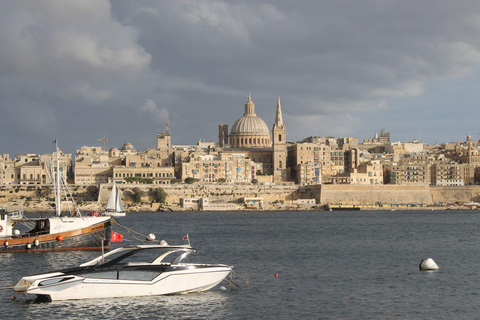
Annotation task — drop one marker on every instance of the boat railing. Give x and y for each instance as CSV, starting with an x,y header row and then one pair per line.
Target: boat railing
x,y
15,215
32,234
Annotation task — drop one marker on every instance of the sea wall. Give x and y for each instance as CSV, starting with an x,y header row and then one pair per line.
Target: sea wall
x,y
455,194
376,194
215,193
395,194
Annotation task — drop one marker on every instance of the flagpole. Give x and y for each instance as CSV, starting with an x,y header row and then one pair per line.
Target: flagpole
x,y
187,238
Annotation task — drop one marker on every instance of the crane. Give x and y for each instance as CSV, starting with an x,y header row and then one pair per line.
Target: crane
x,y
104,139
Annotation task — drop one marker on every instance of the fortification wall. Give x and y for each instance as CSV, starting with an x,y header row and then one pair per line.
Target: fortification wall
x,y
378,194
455,194
94,199
215,193
394,194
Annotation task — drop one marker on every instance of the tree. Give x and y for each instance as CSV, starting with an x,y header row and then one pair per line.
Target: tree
x,y
137,195
43,191
222,180
254,181
189,180
159,195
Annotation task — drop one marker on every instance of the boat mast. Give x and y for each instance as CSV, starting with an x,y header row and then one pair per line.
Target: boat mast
x,y
58,199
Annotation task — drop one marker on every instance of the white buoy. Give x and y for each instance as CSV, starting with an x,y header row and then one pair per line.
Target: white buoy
x,y
151,237
163,243
428,264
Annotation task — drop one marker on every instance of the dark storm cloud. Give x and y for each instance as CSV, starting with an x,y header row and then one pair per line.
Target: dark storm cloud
x,y
82,70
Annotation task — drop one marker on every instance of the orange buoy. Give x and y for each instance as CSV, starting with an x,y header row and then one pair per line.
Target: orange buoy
x,y
59,238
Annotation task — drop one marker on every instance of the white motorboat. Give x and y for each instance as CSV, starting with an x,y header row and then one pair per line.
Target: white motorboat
x,y
119,274
115,205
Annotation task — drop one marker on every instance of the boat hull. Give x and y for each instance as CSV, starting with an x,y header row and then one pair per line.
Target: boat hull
x,y
115,214
93,237
175,282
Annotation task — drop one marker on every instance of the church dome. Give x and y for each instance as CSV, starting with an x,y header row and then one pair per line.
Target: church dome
x,y
250,130
127,146
249,124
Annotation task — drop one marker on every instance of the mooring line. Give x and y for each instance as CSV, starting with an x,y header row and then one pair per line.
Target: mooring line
x,y
245,280
6,288
132,232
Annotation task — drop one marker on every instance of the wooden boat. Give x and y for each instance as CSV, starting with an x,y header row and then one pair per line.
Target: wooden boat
x,y
60,232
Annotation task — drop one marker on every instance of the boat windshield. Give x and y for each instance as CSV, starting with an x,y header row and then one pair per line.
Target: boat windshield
x,y
147,254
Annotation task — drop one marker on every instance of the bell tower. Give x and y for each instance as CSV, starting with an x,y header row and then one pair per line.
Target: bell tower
x,y
279,133
164,140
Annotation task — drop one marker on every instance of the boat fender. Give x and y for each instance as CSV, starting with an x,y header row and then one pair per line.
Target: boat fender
x,y
29,246
37,243
163,243
59,238
151,237
428,264
6,243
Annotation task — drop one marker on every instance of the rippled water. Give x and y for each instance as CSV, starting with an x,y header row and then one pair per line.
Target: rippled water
x,y
330,265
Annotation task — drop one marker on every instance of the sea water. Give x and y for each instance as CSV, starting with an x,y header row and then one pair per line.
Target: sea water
x,y
305,265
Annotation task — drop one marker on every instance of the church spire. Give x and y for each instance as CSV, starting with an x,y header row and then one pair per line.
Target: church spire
x,y
279,145
278,117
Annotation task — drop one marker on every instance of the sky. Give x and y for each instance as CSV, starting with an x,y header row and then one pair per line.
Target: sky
x,y
78,71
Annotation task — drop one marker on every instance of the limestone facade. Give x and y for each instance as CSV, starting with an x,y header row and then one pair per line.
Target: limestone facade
x,y
452,174
145,174
31,168
223,167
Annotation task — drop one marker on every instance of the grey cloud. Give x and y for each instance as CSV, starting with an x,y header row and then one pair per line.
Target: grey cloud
x,y
120,69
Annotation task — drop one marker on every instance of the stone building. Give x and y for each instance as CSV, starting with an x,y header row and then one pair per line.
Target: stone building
x,y
367,173
32,168
407,174
304,161
145,174
452,174
7,169
94,166
222,167
399,148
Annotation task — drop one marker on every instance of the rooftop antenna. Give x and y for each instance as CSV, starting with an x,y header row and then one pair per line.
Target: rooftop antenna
x,y
167,130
